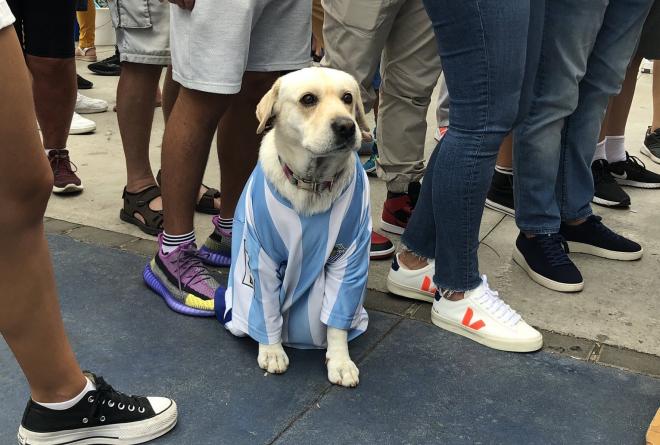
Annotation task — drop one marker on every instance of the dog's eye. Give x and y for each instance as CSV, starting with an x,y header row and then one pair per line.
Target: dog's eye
x,y
347,98
309,100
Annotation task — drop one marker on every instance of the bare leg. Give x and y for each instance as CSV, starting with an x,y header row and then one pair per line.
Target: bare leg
x,y
656,95
29,312
505,155
619,106
186,146
136,93
55,86
170,93
238,128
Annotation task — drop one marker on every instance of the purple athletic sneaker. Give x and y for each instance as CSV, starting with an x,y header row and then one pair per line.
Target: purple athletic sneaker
x,y
217,248
182,280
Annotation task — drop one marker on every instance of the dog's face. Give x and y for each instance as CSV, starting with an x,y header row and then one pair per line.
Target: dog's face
x,y
319,108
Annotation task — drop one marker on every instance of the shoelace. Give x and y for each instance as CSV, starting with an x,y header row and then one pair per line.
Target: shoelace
x,y
107,396
491,302
595,223
189,259
634,163
62,157
554,248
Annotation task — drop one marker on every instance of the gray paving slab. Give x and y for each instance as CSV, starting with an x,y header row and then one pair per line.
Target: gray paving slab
x,y
422,385
124,332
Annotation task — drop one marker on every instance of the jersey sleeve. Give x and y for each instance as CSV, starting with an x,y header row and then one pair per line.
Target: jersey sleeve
x,y
346,278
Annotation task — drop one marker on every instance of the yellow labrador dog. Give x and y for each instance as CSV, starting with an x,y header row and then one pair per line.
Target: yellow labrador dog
x,y
302,229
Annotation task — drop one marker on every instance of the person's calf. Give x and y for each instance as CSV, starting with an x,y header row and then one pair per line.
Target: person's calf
x,y
54,88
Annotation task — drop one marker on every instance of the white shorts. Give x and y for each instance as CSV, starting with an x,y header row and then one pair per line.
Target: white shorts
x,y
6,17
143,30
218,41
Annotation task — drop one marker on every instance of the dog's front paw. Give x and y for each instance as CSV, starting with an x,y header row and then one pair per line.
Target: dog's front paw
x,y
272,358
343,372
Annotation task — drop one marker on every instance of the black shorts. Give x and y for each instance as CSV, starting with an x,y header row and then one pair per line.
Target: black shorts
x,y
45,28
649,43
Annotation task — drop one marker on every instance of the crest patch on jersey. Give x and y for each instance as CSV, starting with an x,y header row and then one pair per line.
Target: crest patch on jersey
x,y
336,253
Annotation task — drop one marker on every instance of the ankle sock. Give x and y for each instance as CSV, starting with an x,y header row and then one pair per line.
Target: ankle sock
x,y
504,170
61,406
225,224
171,242
615,148
600,152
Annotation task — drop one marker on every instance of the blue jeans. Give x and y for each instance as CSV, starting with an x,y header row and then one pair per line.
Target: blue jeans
x,y
489,51
587,45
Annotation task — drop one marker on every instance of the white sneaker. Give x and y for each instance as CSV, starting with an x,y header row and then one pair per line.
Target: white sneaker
x,y
415,284
80,125
481,316
87,105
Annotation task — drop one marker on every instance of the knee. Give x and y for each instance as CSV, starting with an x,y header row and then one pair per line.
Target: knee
x,y
27,198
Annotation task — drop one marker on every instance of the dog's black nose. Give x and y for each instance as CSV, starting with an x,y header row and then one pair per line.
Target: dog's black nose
x,y
343,127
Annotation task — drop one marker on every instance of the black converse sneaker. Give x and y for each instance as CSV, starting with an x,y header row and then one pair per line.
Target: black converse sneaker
x,y
103,416
632,172
606,190
595,238
651,146
500,194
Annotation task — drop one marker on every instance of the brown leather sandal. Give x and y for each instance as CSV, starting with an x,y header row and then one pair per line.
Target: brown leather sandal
x,y
206,203
139,203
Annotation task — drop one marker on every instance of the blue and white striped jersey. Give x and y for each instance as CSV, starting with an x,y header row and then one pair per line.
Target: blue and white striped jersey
x,y
292,275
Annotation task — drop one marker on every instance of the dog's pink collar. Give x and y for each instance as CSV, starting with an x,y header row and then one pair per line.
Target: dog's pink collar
x,y
308,184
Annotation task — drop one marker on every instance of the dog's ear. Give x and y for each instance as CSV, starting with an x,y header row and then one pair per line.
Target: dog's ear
x,y
359,112
266,105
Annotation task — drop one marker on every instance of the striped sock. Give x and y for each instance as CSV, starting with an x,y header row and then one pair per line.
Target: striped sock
x,y
171,242
225,224
504,170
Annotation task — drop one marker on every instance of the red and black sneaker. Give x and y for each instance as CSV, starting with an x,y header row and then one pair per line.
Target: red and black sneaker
x,y
381,247
398,208
64,172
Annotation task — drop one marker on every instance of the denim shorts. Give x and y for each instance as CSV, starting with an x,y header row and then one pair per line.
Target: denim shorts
x,y
143,30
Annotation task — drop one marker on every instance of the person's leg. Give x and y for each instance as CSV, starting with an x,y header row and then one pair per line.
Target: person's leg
x,y
281,24
87,23
500,194
136,93
442,111
30,314
354,40
50,59
655,124
410,68
170,93
238,128
483,112
537,140
317,27
606,69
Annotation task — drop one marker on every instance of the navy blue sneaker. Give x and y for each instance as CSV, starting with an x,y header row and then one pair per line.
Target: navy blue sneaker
x,y
594,238
544,259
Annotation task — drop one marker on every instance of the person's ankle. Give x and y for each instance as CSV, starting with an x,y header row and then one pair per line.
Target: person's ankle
x,y
139,184
63,392
412,261
453,296
575,222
